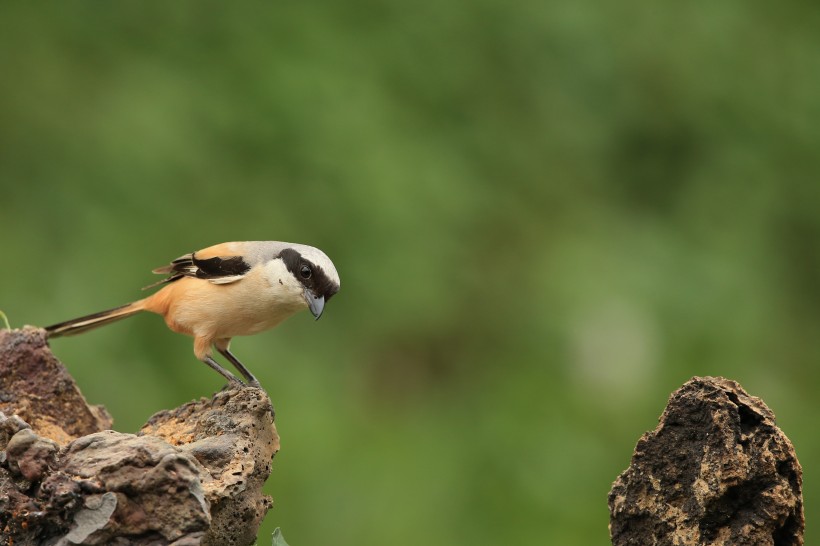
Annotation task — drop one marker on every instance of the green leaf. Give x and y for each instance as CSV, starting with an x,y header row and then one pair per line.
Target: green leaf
x,y
278,539
5,320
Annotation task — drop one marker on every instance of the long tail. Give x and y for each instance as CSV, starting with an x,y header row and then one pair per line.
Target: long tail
x,y
89,322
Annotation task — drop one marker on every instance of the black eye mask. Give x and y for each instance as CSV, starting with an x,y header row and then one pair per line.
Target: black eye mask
x,y
317,280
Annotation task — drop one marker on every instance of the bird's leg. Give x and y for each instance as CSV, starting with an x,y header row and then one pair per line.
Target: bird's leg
x,y
202,350
222,346
220,370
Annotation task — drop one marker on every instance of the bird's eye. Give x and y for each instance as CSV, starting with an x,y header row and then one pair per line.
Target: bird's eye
x,y
305,272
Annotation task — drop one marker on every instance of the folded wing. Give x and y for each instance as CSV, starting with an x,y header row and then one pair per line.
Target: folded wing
x,y
217,270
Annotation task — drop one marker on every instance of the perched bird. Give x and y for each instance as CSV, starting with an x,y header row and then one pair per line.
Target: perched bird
x,y
228,290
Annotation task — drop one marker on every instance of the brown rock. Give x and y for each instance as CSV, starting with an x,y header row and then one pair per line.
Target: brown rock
x,y
191,476
30,455
715,471
232,436
36,387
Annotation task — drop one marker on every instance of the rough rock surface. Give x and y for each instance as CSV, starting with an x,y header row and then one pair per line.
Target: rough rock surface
x,y
232,437
716,471
191,476
36,387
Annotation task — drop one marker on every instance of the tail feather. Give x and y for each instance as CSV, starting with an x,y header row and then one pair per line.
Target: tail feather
x,y
89,322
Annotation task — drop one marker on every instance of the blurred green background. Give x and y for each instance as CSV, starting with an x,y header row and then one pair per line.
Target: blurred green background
x,y
546,217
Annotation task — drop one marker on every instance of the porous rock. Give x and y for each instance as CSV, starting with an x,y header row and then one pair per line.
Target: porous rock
x,y
191,476
232,437
716,471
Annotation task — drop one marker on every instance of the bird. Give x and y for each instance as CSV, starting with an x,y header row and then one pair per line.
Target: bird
x,y
228,290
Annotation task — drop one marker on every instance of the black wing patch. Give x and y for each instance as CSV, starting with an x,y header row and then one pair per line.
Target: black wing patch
x,y
217,270
214,268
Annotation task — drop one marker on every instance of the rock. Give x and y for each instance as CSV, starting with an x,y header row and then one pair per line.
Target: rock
x,y
191,476
30,455
157,489
232,437
93,517
715,471
35,386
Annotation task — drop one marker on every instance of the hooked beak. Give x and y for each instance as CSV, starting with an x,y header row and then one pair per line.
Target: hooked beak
x,y
316,304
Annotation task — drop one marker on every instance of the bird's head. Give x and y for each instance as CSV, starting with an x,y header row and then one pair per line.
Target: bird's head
x,y
314,274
